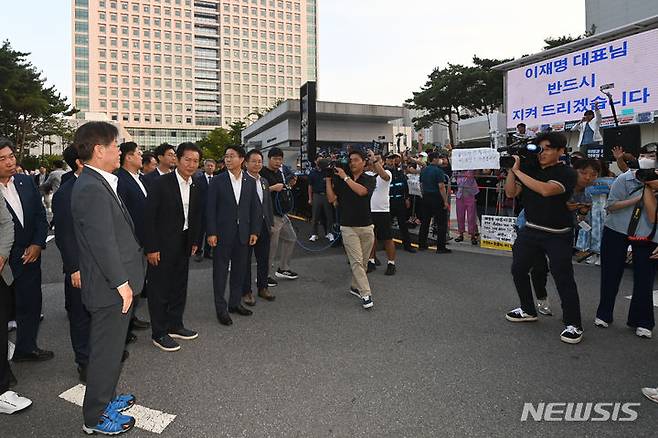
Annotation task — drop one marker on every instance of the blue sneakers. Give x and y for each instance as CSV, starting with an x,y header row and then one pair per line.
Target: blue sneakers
x,y
121,403
111,423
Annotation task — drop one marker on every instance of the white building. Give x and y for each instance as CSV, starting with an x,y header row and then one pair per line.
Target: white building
x,y
606,15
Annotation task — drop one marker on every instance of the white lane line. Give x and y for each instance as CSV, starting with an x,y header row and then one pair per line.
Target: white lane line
x,y
655,298
145,418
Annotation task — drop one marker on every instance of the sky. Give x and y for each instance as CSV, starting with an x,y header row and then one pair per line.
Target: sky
x,y
370,51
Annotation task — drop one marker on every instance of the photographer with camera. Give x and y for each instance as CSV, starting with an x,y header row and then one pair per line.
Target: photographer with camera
x,y
631,220
352,190
545,185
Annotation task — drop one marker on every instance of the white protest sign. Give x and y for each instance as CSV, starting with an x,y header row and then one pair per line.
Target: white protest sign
x,y
413,181
498,232
473,159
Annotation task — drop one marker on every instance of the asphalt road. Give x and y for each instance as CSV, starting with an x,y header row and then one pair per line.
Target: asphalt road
x,y
435,357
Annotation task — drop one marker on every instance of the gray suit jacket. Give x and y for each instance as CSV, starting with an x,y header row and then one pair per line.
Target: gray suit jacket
x,y
6,239
109,250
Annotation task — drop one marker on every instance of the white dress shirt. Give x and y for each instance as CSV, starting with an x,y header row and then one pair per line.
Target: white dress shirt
x,y
185,196
208,177
160,172
237,185
111,179
11,195
259,186
138,181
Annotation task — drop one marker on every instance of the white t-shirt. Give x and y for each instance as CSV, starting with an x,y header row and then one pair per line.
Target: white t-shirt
x,y
380,201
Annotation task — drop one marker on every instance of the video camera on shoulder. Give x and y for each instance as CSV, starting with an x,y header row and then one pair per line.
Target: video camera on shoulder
x,y
646,175
524,149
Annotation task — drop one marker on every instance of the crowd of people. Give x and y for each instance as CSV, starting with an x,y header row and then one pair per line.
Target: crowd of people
x,y
127,222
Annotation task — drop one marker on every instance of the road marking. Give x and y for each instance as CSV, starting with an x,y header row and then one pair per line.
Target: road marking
x,y
145,418
655,298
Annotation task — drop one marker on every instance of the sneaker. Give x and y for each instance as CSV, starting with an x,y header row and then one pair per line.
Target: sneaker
x,y
643,333
330,237
518,315
651,394
272,282
313,238
183,333
371,267
367,302
11,402
390,269
544,308
600,323
110,423
571,335
121,402
287,274
354,291
166,343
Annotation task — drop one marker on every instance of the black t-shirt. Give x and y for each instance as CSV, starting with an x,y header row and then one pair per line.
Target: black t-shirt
x,y
354,210
275,177
550,212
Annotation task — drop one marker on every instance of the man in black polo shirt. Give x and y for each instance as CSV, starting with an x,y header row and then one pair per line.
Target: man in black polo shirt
x,y
545,189
353,191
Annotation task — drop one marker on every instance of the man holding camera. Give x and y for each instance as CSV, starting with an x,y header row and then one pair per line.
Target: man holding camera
x,y
545,188
353,192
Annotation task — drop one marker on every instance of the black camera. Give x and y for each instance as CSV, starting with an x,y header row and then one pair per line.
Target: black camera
x,y
328,166
528,152
646,175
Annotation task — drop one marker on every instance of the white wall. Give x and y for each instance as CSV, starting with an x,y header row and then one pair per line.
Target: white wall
x,y
610,14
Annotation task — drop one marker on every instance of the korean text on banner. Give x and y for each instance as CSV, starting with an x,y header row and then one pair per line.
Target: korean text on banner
x,y
498,232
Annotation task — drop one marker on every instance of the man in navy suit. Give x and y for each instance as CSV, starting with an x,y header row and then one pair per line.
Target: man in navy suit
x,y
234,220
65,239
166,156
202,180
132,191
30,229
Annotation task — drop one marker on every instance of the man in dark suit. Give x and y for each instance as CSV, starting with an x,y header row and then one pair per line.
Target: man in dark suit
x,y
132,190
202,180
30,230
68,248
166,156
234,220
112,268
262,248
173,231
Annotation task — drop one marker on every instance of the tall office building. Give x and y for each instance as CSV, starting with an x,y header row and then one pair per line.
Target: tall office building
x,y
172,70
605,15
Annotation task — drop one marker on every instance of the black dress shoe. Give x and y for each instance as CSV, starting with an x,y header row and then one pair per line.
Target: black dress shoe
x,y
37,355
139,324
410,249
130,338
224,319
82,373
240,310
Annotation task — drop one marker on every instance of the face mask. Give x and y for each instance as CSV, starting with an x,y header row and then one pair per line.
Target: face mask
x,y
647,163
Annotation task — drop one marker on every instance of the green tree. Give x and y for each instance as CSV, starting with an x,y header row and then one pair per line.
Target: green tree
x,y
28,109
484,86
553,42
214,144
235,131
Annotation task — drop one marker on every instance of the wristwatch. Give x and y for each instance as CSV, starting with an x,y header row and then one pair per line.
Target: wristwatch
x,y
346,178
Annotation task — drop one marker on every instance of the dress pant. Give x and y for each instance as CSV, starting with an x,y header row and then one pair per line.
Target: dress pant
x,y
530,244
79,320
433,208
320,206
399,211
282,240
358,242
27,287
235,253
262,251
168,286
5,300
107,338
614,248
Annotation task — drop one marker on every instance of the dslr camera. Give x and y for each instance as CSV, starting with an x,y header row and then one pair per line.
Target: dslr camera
x,y
524,149
646,175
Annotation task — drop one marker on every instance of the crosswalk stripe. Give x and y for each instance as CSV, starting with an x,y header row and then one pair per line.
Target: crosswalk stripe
x,y
148,419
